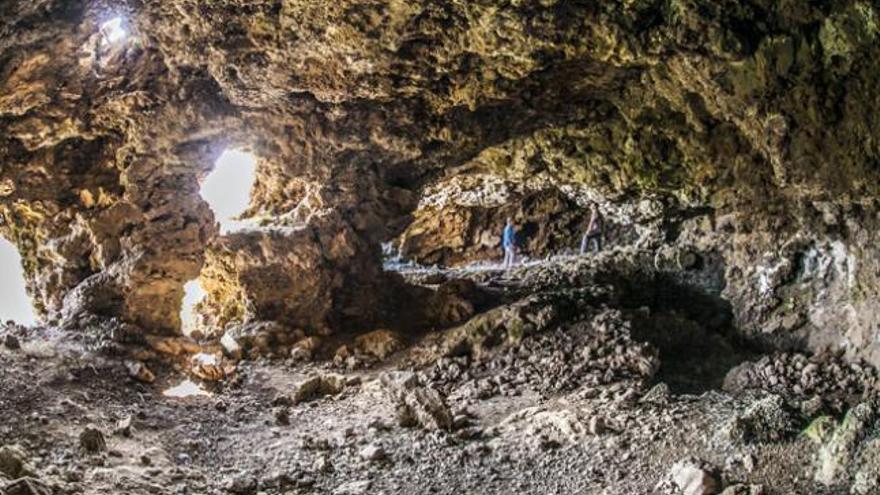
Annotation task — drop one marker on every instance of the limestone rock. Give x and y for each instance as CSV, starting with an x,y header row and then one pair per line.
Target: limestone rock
x,y
372,453
318,386
416,403
693,479
837,455
378,344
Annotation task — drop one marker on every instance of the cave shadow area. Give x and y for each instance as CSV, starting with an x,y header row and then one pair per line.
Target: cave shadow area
x,y
692,327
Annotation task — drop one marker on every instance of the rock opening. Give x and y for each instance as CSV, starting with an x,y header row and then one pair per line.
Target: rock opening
x,y
15,304
227,189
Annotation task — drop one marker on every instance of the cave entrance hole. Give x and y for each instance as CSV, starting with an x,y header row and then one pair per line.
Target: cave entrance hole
x,y
114,31
15,304
193,294
227,190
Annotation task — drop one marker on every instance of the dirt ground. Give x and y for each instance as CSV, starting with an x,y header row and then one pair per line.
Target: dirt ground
x,y
549,423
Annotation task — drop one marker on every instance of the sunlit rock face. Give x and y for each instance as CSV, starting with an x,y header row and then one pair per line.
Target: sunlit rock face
x,y
758,118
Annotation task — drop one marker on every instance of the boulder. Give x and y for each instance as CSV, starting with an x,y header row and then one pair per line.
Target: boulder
x,y
836,456
378,344
417,404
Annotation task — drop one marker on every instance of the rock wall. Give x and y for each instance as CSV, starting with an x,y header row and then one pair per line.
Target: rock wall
x,y
755,118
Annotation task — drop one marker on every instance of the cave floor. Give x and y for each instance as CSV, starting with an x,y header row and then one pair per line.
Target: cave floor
x,y
232,441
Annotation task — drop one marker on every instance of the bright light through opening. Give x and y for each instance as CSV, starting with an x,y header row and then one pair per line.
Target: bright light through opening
x,y
14,301
228,188
193,294
113,30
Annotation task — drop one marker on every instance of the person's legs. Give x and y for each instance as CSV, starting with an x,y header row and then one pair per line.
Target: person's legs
x,y
596,243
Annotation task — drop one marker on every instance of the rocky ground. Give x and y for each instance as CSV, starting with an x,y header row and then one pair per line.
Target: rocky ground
x,y
561,388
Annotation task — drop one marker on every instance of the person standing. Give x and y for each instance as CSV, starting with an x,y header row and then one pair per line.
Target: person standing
x,y
593,236
508,242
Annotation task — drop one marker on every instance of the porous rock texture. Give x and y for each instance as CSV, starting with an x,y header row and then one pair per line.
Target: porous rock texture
x,y
744,129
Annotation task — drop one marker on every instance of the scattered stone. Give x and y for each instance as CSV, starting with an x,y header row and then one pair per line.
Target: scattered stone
x,y
14,463
323,464
139,371
415,403
241,484
767,420
597,425
578,357
11,342
378,344
692,479
353,488
814,384
318,386
231,346
867,479
27,486
658,394
341,355
282,416
372,453
92,441
545,427
123,427
745,490
305,349
173,346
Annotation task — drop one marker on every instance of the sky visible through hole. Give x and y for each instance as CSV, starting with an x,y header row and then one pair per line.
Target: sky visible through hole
x,y
14,301
227,190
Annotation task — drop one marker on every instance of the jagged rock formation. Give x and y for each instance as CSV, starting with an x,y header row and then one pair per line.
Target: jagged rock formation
x,y
752,123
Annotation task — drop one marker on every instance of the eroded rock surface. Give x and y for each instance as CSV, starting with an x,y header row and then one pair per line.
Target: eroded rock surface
x,y
754,119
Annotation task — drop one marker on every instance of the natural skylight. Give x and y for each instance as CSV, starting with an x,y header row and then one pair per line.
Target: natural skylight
x,y
14,301
228,188
113,30
193,294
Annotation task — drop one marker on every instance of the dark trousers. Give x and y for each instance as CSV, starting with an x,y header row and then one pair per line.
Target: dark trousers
x,y
594,240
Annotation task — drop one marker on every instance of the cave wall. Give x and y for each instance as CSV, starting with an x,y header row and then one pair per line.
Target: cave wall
x,y
760,114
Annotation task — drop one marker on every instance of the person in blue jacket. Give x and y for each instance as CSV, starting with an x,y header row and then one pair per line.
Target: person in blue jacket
x,y
508,242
